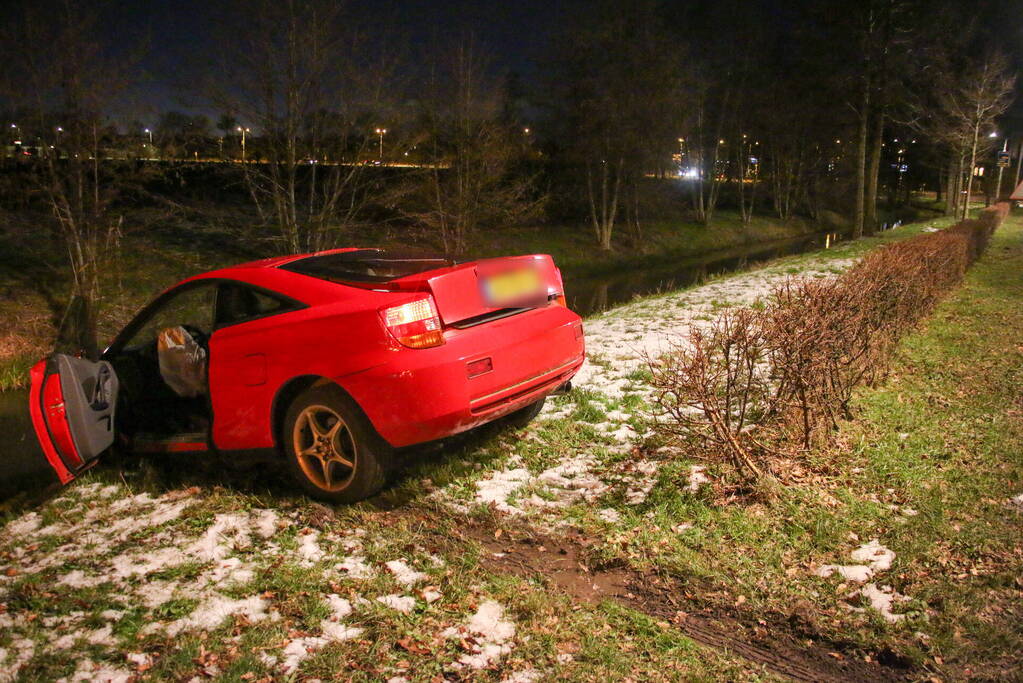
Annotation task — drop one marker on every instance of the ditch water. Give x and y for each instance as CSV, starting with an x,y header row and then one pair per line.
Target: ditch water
x,y
596,293
23,468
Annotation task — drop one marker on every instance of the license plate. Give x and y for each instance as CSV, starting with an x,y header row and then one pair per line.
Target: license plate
x,y
518,287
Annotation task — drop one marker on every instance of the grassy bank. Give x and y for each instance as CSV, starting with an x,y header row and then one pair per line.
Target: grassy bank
x,y
172,569
922,482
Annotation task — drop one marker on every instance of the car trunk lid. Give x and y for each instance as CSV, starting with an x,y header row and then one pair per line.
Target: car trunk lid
x,y
473,291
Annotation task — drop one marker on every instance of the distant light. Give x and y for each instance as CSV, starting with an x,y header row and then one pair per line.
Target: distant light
x,y
993,134
526,131
721,142
838,142
59,129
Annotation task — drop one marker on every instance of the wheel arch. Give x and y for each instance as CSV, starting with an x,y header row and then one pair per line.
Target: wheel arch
x,y
291,390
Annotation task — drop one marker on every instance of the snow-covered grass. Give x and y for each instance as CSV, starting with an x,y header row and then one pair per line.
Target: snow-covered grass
x,y
645,505
106,584
105,581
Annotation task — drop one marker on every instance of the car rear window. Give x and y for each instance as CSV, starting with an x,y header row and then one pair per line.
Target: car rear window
x,y
366,265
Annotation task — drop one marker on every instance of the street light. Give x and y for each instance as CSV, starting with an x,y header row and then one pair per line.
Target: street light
x,y
243,131
381,132
147,132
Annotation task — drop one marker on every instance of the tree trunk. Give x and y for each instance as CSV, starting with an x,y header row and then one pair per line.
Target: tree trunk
x,y
861,160
872,174
973,165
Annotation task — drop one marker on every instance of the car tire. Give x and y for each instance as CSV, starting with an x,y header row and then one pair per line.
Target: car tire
x,y
523,416
331,449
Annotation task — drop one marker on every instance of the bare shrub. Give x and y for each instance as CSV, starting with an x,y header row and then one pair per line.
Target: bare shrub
x,y
758,382
714,393
819,348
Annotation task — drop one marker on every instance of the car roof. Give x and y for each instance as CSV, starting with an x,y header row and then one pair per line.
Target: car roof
x,y
266,273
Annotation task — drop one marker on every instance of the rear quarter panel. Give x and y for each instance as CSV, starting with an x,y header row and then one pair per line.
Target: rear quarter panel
x,y
251,361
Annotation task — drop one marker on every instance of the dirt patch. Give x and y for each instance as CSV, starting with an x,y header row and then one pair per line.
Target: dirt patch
x,y
779,647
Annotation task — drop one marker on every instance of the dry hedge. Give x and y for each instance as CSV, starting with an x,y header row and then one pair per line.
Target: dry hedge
x,y
760,382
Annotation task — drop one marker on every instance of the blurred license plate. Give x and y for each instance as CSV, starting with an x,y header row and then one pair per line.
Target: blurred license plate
x,y
518,287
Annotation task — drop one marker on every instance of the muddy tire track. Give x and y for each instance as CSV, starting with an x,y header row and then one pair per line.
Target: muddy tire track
x,y
780,647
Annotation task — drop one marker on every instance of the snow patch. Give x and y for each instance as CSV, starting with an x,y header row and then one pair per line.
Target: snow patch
x,y
404,574
493,633
88,670
213,611
309,548
882,599
697,477
496,489
356,567
401,603
877,558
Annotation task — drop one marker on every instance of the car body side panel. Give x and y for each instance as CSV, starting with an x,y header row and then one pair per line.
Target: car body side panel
x,y
251,361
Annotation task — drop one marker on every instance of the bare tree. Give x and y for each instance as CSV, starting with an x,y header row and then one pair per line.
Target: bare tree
x,y
616,76
984,94
309,89
472,180
62,89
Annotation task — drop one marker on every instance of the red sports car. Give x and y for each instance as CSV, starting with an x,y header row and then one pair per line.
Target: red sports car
x,y
332,360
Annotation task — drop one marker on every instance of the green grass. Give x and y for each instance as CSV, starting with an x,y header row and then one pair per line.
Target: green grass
x,y
943,437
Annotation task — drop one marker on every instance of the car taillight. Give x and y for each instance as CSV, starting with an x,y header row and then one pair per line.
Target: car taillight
x,y
415,324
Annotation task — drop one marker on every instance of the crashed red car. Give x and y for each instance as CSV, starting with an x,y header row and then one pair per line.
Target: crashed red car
x,y
330,360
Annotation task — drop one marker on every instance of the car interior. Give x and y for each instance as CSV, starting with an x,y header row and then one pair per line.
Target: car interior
x,y
162,368
162,365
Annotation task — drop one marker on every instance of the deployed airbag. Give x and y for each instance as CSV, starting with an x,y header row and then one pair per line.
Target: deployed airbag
x,y
182,362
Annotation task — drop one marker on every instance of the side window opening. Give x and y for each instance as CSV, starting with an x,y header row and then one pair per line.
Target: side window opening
x,y
191,308
237,303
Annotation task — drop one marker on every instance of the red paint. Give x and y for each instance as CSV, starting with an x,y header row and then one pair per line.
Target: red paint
x,y
46,406
410,395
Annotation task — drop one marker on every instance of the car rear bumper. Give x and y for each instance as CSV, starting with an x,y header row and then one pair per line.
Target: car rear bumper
x,y
426,394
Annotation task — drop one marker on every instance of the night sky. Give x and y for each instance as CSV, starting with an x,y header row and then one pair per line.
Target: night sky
x,y
517,33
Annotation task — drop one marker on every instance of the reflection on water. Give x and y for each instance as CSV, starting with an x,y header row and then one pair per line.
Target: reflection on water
x,y
592,294
22,466
24,469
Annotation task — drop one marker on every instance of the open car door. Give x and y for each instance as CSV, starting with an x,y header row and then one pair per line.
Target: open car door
x,y
72,402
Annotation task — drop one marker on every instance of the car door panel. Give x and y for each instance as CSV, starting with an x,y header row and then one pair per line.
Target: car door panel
x,y
72,403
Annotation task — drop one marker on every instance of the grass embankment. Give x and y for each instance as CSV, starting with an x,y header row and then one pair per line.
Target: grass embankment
x,y
927,470
233,576
662,242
